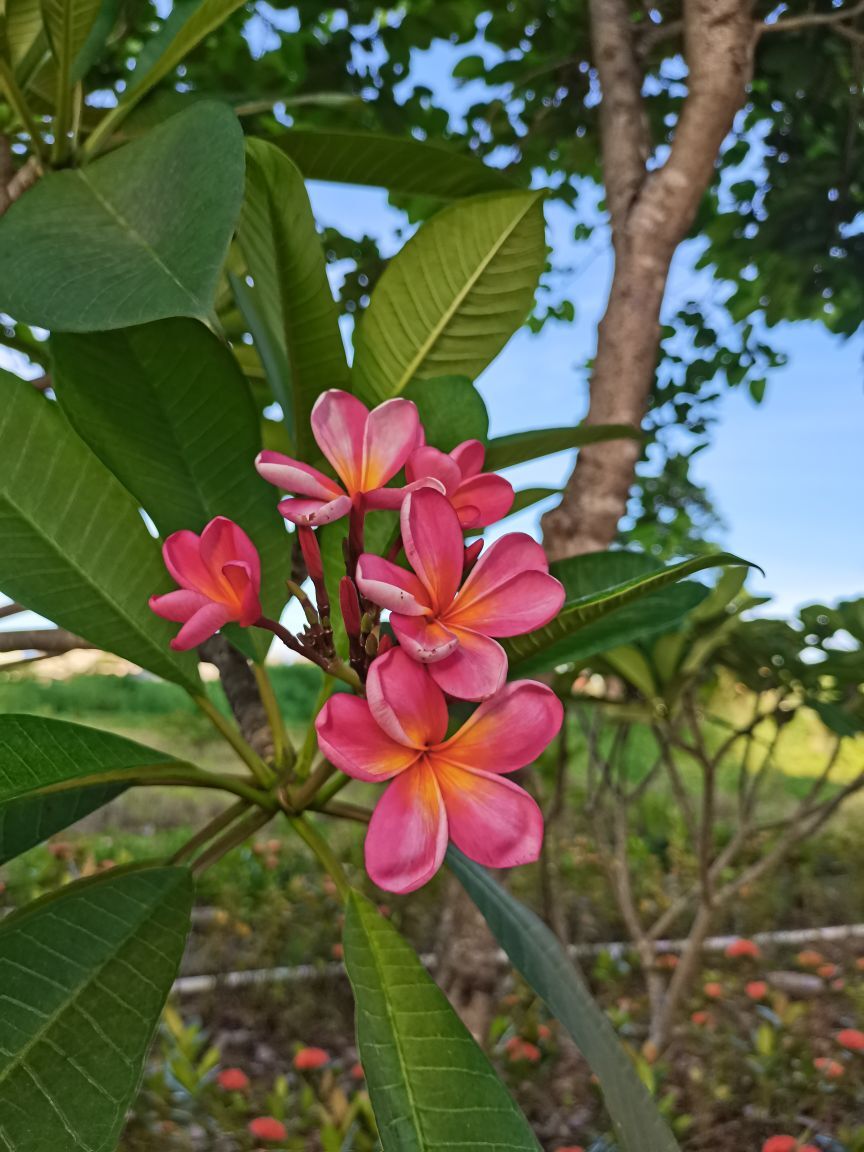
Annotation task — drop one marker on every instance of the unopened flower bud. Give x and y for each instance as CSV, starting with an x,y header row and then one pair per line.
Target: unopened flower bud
x,y
350,606
472,552
367,623
311,554
385,644
371,645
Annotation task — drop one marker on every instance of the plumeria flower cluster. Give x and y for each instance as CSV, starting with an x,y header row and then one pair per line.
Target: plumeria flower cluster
x,y
449,603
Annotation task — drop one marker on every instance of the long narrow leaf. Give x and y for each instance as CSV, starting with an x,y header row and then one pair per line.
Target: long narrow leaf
x,y
83,979
73,546
393,162
167,409
432,1088
40,759
451,299
285,259
581,609
518,447
539,957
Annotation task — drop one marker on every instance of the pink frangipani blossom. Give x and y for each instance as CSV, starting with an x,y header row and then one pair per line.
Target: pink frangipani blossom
x,y
219,573
366,450
479,498
508,591
440,789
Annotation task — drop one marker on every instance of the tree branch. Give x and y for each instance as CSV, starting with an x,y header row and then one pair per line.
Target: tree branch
x,y
810,20
241,691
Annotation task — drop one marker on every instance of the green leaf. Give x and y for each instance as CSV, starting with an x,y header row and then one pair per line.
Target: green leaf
x,y
167,409
451,410
432,1088
394,162
271,354
69,24
518,447
597,585
539,957
187,25
530,496
73,546
451,299
284,256
22,30
49,776
137,236
84,977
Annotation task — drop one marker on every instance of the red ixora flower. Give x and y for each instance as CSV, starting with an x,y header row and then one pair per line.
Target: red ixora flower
x,y
830,1069
440,789
219,573
233,1080
572,1148
508,591
780,1144
518,1049
308,1059
366,450
478,498
269,1129
756,989
809,958
713,990
702,1019
852,1039
743,947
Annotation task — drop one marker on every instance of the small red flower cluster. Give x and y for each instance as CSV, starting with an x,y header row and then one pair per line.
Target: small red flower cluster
x,y
519,1050
447,611
786,1144
310,1059
740,947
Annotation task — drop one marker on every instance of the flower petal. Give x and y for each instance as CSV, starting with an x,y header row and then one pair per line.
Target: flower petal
x,y
469,455
391,435
423,638
428,462
433,543
240,578
481,500
502,595
393,498
404,700
178,606
309,512
205,623
527,601
296,477
182,554
339,426
508,731
475,670
407,835
391,587
223,542
490,819
350,738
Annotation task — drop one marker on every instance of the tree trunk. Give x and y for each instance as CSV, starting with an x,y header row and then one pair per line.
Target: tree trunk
x,y
651,214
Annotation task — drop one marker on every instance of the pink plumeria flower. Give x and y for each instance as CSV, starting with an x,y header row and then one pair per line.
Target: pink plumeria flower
x,y
366,450
440,789
219,573
508,591
479,498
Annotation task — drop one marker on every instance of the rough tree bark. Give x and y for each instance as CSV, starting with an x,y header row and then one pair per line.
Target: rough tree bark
x,y
651,213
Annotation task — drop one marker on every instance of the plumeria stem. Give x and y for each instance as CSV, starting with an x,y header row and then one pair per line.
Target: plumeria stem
x,y
323,851
180,774
21,108
207,833
308,791
343,811
333,667
283,750
310,744
248,755
233,838
332,789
